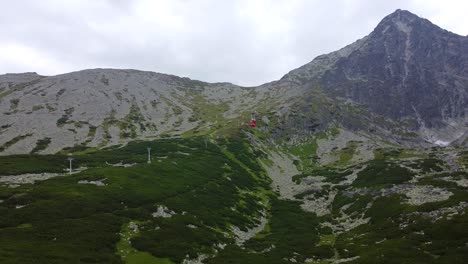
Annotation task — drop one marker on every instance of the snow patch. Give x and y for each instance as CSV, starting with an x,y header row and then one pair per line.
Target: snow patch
x,y
441,143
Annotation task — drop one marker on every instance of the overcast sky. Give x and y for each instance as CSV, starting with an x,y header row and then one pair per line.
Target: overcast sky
x,y
246,42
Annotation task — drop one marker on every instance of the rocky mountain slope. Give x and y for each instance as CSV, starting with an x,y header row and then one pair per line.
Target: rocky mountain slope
x,y
234,200
105,106
407,69
338,169
406,82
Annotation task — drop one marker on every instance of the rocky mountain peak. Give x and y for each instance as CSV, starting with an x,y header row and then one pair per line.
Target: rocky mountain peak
x,y
400,16
407,69
404,22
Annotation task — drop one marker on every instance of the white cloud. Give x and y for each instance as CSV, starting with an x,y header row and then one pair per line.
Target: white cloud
x,y
19,57
247,42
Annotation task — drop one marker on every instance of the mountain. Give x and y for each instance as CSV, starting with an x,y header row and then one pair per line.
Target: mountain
x,y
406,69
344,165
105,107
405,82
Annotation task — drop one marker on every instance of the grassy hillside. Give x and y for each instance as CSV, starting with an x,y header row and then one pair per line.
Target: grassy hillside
x,y
65,220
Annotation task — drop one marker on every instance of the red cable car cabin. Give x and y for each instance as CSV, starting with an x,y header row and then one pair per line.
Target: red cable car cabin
x,y
253,123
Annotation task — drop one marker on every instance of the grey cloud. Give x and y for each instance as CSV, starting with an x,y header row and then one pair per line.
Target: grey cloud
x,y
244,42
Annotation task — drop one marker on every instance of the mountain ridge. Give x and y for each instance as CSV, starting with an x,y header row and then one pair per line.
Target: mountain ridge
x,y
142,167
406,68
407,71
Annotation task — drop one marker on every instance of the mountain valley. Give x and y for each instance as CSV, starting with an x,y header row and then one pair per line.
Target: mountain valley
x,y
359,156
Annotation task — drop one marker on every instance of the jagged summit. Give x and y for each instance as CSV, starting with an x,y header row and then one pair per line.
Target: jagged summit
x,y
405,21
398,21
400,16
406,69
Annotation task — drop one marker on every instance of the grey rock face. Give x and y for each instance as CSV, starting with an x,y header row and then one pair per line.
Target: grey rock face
x,y
91,107
103,107
406,69
408,74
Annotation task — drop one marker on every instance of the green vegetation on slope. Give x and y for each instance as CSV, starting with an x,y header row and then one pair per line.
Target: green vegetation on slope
x,y
64,221
380,173
208,187
292,234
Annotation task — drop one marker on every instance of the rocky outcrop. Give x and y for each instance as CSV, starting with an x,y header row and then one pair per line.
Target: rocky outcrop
x,y
407,69
102,107
406,82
